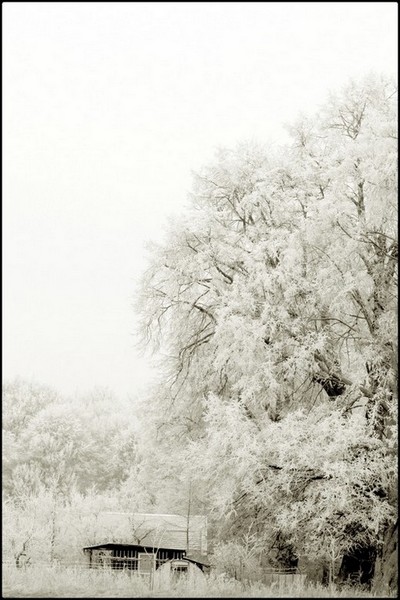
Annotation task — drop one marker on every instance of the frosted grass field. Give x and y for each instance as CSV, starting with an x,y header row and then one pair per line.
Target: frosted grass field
x,y
74,582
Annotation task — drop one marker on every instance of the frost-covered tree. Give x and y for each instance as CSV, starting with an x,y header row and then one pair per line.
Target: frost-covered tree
x,y
88,440
273,308
65,461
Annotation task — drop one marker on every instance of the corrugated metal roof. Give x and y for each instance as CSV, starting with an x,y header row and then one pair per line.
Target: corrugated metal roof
x,y
196,557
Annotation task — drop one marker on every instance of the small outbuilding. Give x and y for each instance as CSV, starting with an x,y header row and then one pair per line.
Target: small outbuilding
x,y
143,542
172,570
135,557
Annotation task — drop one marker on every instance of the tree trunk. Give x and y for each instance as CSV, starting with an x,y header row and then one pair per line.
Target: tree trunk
x,y
188,519
385,579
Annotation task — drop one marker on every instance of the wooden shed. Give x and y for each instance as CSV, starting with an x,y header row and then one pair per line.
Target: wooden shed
x,y
135,557
143,542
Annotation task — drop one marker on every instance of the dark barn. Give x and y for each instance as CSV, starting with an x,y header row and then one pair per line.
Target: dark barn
x,y
130,556
143,542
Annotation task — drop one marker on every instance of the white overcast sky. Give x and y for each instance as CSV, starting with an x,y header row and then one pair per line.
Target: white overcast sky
x,y
107,108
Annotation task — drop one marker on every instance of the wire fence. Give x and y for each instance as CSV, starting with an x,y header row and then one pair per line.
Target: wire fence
x,y
283,579
71,564
268,576
44,578
117,560
109,563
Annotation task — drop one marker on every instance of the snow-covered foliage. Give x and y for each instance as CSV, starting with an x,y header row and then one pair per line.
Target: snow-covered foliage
x,y
273,308
81,442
